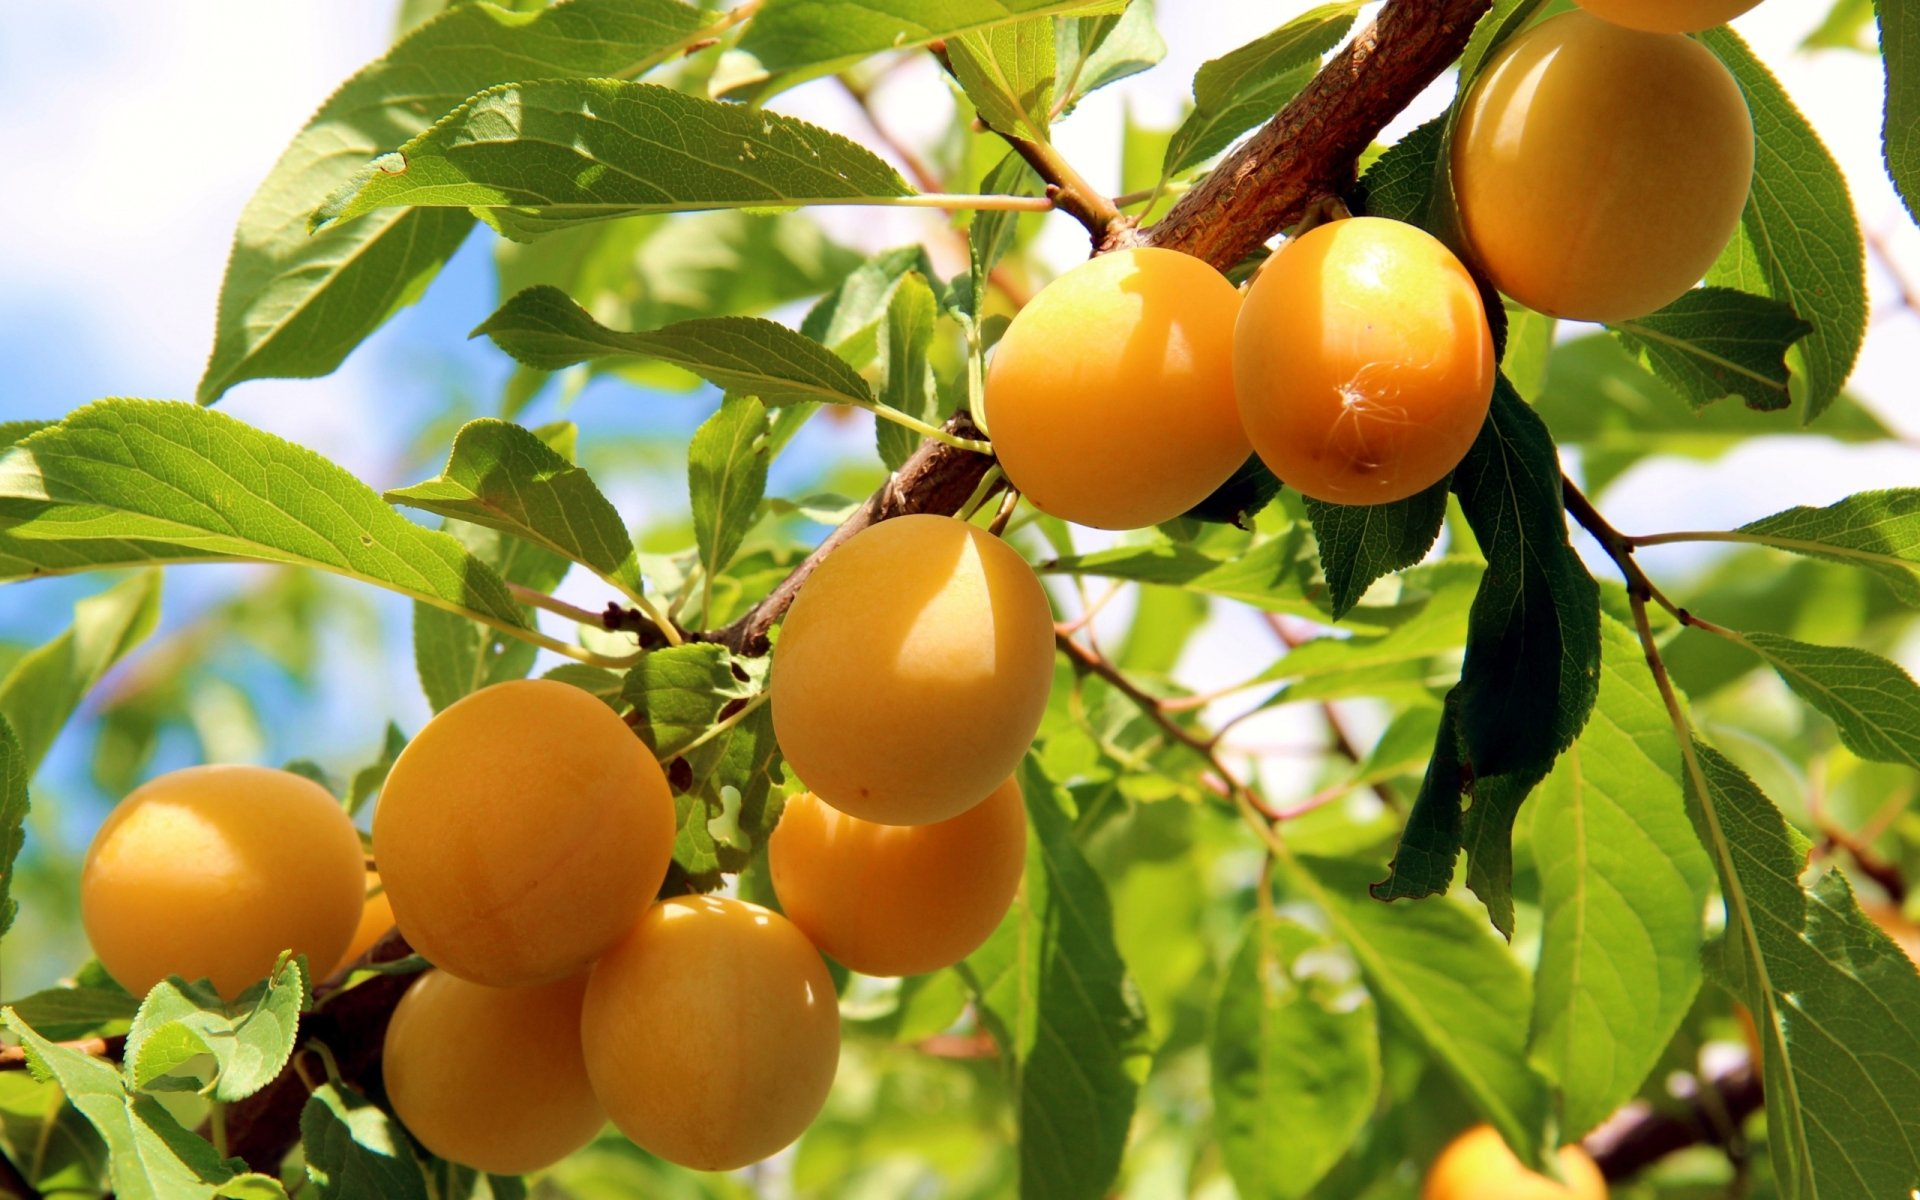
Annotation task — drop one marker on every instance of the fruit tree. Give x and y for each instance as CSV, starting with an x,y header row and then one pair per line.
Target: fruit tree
x,y
972,638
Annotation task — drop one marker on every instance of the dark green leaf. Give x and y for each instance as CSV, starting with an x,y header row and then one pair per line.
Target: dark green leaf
x,y
1873,702
1096,51
47,685
504,477
294,305
907,372
750,355
990,235
14,773
1876,530
1399,185
1800,240
1008,71
1239,90
1239,500
150,1156
1449,982
571,150
1361,543
355,1151
1715,342
1623,884
249,1039
1056,993
1836,1001
732,805
791,41
726,478
1900,47
210,485
1295,1057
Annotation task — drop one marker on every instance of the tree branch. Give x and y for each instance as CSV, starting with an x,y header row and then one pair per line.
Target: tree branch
x,y
1713,1116
14,1058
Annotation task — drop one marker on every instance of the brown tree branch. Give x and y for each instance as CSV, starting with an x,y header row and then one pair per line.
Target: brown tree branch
x,y
14,1058
1713,1116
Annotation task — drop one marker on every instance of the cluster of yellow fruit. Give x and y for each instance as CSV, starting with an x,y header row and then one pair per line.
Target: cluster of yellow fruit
x,y
1598,169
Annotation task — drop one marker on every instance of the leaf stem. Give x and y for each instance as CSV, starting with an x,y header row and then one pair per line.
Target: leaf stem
x,y
924,429
542,600
991,481
961,201
217,1126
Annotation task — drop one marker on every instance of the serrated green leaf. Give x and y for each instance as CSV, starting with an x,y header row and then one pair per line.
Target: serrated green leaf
x,y
219,489
506,478
1532,664
1361,543
1872,702
1836,1001
566,151
1399,184
732,804
1623,884
1876,530
750,355
1295,1054
1450,982
1241,89
44,688
847,320
1715,342
1800,238
1053,988
1008,72
1273,576
726,479
677,692
294,305
907,372
1900,48
79,1011
355,1151
150,1156
791,41
249,1039
1096,51
991,231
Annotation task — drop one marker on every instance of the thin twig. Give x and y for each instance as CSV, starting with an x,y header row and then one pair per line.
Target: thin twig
x,y
541,600
14,1058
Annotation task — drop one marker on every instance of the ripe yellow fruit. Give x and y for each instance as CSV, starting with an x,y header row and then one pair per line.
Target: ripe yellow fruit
x,y
1599,171
492,1078
892,900
912,670
1667,16
1478,1166
521,832
1363,361
376,917
212,871
1110,397
712,1032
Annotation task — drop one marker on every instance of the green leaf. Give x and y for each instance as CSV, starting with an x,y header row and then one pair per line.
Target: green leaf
x,y
1715,342
79,1011
1272,576
570,150
219,489
250,1039
294,305
150,1155
1450,982
368,780
731,806
1436,601
1296,1060
908,385
1872,702
726,479
1900,47
14,773
1533,658
1623,884
1399,184
677,692
1096,51
1361,543
1241,498
1241,89
47,685
1008,72
1844,28
1836,1002
1800,239
847,320
1598,398
1876,530
504,477
750,355
1054,990
791,41
355,1151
